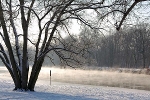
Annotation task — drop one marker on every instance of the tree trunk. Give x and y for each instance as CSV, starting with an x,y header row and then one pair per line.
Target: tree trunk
x,y
25,66
34,74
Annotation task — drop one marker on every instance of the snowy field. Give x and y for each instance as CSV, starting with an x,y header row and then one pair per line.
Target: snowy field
x,y
66,91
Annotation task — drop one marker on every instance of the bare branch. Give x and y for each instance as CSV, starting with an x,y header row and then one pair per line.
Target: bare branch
x,y
2,37
27,39
127,13
51,59
15,34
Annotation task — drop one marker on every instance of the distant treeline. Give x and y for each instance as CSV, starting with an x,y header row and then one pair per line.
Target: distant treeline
x,y
129,47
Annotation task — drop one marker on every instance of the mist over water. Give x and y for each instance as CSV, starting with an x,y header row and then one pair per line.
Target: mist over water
x,y
97,77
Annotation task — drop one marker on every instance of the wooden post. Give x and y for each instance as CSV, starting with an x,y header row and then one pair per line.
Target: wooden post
x,y
50,77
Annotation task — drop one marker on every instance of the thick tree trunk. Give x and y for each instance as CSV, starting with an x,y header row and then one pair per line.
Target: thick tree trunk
x,y
25,66
24,78
34,74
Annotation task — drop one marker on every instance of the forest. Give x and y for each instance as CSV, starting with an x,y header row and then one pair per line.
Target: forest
x,y
128,48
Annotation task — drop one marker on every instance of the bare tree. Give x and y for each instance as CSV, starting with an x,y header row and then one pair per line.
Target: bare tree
x,y
47,17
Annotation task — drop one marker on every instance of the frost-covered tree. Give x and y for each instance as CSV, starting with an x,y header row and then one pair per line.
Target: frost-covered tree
x,y
40,23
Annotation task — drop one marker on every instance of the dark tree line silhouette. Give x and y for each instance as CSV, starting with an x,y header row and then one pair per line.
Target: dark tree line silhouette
x,y
129,48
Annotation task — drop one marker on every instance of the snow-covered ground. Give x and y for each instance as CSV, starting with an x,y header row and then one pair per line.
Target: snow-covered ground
x,y
65,91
